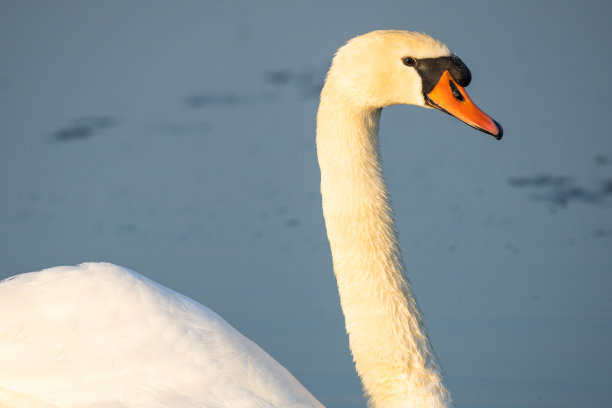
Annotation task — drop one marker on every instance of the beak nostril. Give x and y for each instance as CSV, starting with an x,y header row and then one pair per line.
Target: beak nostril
x,y
456,92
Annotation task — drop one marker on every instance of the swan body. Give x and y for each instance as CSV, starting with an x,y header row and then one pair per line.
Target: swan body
x,y
98,335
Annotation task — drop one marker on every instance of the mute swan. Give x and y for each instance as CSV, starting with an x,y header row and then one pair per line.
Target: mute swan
x,y
99,335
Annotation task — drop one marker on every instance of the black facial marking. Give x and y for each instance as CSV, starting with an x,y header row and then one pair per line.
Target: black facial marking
x,y
431,69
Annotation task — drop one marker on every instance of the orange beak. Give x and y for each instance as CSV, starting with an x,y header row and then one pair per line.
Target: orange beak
x,y
452,99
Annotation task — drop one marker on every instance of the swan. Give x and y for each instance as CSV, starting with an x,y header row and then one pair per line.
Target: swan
x,y
99,335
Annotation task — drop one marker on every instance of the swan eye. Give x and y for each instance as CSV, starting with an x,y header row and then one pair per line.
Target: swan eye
x,y
409,61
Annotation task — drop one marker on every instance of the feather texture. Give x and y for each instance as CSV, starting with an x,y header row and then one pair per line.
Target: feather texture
x,y
98,334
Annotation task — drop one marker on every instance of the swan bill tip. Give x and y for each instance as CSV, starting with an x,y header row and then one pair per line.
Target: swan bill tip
x,y
500,131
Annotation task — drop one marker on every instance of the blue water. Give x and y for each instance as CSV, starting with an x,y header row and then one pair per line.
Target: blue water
x,y
178,140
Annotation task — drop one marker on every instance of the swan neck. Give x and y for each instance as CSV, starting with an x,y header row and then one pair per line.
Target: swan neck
x,y
392,353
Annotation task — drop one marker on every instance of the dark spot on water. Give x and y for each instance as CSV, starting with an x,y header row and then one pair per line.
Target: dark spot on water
x,y
75,132
606,187
230,99
541,180
293,222
511,247
206,99
307,81
602,160
602,233
310,82
560,191
83,128
278,77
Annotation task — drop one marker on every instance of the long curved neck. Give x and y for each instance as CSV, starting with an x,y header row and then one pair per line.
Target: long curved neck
x,y
390,347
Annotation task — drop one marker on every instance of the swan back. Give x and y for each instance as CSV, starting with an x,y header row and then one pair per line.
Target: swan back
x,y
98,334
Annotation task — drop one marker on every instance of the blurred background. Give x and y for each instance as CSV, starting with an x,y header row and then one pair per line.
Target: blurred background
x,y
177,139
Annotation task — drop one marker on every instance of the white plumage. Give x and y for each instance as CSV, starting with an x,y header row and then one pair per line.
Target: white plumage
x,y
99,335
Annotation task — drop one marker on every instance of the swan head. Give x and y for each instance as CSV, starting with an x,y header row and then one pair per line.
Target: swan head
x,y
391,67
